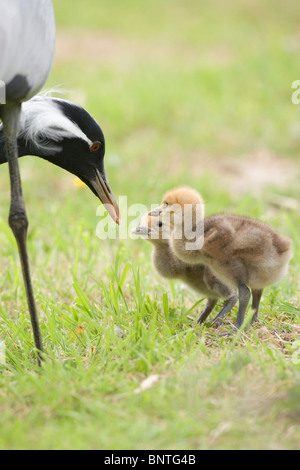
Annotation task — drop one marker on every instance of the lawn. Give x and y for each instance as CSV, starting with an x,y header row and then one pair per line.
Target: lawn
x,y
186,92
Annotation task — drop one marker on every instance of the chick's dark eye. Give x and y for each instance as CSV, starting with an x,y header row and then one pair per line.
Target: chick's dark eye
x,y
159,224
95,146
166,204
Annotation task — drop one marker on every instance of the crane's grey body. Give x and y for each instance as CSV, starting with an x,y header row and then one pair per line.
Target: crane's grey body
x,y
27,38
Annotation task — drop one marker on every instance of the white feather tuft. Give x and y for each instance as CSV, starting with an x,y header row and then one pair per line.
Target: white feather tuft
x,y
44,124
50,92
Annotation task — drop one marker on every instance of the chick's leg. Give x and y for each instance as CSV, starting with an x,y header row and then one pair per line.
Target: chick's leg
x,y
244,297
210,305
256,296
229,304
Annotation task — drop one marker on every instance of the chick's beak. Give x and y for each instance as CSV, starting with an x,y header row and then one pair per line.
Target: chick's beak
x,y
102,189
155,212
141,230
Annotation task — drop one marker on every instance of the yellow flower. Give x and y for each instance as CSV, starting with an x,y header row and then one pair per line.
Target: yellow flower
x,y
78,183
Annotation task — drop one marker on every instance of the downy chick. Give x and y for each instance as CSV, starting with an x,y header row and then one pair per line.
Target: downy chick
x,y
243,253
196,276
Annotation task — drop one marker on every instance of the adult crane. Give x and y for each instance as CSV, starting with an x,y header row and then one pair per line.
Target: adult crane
x,y
27,38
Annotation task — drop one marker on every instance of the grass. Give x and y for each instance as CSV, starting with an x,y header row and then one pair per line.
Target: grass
x,y
179,91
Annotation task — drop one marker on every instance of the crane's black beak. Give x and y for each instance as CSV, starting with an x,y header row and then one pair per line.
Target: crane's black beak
x,y
100,187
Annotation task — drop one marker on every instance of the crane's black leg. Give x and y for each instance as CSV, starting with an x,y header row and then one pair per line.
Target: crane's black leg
x,y
17,215
229,304
244,297
210,305
256,296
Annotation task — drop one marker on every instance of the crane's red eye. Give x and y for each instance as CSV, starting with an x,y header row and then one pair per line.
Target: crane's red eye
x,y
95,146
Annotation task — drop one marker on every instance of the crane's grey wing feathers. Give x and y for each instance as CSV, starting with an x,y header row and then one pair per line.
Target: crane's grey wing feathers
x,y
27,38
